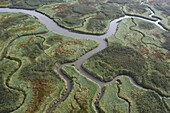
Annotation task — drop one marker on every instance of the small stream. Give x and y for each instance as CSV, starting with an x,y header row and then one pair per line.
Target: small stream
x,y
101,40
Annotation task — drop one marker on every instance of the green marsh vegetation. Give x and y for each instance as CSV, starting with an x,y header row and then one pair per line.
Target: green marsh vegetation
x,y
132,7
66,49
122,1
90,16
39,56
166,44
10,99
162,10
94,16
32,4
114,60
137,9
15,25
34,55
138,53
4,2
146,25
125,96
111,102
74,16
30,76
167,103
139,50
141,100
82,96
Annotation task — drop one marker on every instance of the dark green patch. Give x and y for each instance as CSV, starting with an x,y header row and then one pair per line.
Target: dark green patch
x,y
149,102
9,97
146,25
123,60
32,4
137,8
83,9
166,44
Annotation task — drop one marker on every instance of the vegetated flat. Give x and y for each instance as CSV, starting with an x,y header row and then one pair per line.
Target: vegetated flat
x,y
4,2
111,102
141,100
15,25
162,10
137,50
31,4
10,99
92,16
82,96
84,16
124,97
30,56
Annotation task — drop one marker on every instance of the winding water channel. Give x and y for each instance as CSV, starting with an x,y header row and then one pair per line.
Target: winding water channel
x,y
54,27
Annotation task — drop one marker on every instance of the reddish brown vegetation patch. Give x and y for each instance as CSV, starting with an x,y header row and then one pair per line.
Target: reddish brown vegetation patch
x,y
159,54
81,98
60,7
25,44
64,48
28,28
41,89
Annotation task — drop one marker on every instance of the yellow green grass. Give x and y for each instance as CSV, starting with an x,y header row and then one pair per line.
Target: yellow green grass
x,y
83,16
82,96
137,50
141,100
111,103
35,53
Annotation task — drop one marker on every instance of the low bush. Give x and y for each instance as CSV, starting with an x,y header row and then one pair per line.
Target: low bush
x,y
73,21
140,99
166,44
96,25
82,96
9,97
65,13
146,25
149,102
83,9
111,11
137,8
165,9
32,4
119,58
122,1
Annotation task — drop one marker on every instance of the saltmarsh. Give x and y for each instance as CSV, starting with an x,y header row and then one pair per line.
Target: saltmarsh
x,y
84,16
13,26
10,98
138,53
111,102
82,96
34,55
140,100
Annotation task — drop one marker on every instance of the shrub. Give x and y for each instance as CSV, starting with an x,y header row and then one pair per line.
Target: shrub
x,y
137,8
146,25
111,11
33,4
166,44
83,9
72,21
96,25
9,98
119,58
149,102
